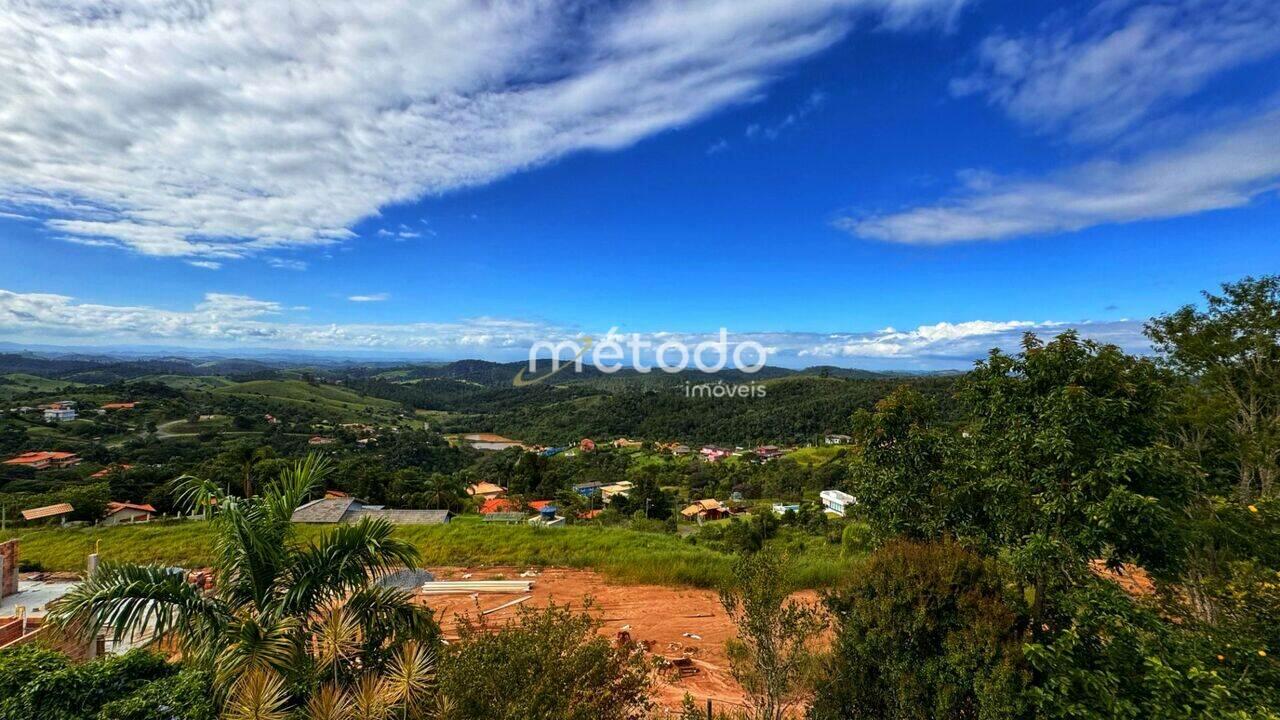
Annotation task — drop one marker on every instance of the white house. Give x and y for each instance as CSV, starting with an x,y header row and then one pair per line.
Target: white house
x,y
837,502
123,513
781,509
60,412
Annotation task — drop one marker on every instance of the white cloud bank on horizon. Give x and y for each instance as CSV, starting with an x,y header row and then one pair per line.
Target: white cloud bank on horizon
x,y
1215,170
221,130
222,321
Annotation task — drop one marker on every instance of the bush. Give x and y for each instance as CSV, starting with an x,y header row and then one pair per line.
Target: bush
x,y
548,665
185,696
924,631
45,688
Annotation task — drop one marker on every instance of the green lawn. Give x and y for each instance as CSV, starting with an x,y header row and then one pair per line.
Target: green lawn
x,y
623,555
22,383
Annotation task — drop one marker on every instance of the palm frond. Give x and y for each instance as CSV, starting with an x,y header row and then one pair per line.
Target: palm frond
x,y
254,645
259,695
370,698
251,552
196,493
130,599
345,558
335,638
295,485
389,613
329,703
411,675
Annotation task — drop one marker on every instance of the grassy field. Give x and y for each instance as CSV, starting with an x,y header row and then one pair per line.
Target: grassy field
x,y
623,555
20,384
297,391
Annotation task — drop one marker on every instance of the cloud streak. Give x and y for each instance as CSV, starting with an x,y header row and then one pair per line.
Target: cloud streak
x,y
222,130
1215,170
1101,77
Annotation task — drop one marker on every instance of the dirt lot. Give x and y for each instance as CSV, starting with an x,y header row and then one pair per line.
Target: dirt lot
x,y
665,616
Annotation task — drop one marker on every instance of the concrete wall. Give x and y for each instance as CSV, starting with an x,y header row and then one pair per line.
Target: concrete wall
x,y
8,568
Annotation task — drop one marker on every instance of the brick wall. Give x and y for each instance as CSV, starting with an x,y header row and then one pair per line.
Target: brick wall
x,y
8,568
70,643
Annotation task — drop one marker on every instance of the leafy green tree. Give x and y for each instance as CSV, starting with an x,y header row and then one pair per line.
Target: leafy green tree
x,y
906,484
772,657
924,631
1119,658
1067,441
1232,350
267,633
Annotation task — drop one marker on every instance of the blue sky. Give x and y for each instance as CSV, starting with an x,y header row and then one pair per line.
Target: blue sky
x,y
872,183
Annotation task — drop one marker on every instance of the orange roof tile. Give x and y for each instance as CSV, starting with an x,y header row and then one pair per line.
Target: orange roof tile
x,y
47,511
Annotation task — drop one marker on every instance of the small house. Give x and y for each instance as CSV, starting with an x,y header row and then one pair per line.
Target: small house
x,y
768,452
838,502
837,439
486,490
709,509
781,509
45,460
123,513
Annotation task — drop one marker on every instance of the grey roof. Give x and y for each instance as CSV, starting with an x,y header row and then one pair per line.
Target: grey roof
x,y
400,517
345,510
328,510
507,517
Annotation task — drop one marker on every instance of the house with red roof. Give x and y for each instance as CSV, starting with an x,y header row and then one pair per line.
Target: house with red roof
x,y
45,460
124,513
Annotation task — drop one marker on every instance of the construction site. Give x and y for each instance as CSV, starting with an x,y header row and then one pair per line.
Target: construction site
x,y
683,629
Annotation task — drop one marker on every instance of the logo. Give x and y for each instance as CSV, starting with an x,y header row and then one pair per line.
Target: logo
x,y
671,356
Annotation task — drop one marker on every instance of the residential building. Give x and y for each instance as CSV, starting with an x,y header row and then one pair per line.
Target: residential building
x,y
623,443
59,412
589,489
118,467
45,460
781,509
768,452
709,509
486,490
837,502
349,509
320,440
124,513
623,488
712,453
837,439
119,406
586,444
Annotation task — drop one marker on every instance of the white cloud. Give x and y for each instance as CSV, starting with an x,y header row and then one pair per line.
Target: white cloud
x,y
221,130
205,264
811,104
223,320
1215,170
1101,76
287,264
375,297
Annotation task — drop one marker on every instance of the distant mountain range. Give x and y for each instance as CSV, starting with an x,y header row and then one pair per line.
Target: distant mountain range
x,y
101,366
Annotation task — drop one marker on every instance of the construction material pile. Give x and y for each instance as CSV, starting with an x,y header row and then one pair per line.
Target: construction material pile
x,y
471,587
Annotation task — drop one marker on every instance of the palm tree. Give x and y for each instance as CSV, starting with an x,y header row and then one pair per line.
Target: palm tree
x,y
291,623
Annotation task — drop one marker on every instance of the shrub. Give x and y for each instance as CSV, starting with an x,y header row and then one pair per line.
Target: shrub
x,y
547,665
924,631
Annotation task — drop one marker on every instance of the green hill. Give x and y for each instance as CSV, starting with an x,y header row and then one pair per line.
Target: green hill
x,y
296,391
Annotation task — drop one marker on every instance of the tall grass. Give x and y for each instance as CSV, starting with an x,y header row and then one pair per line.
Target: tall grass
x,y
622,555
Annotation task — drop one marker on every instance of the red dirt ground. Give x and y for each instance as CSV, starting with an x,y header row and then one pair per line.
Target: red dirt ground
x,y
661,615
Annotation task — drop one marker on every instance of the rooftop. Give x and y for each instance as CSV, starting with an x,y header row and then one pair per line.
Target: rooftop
x,y
47,511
